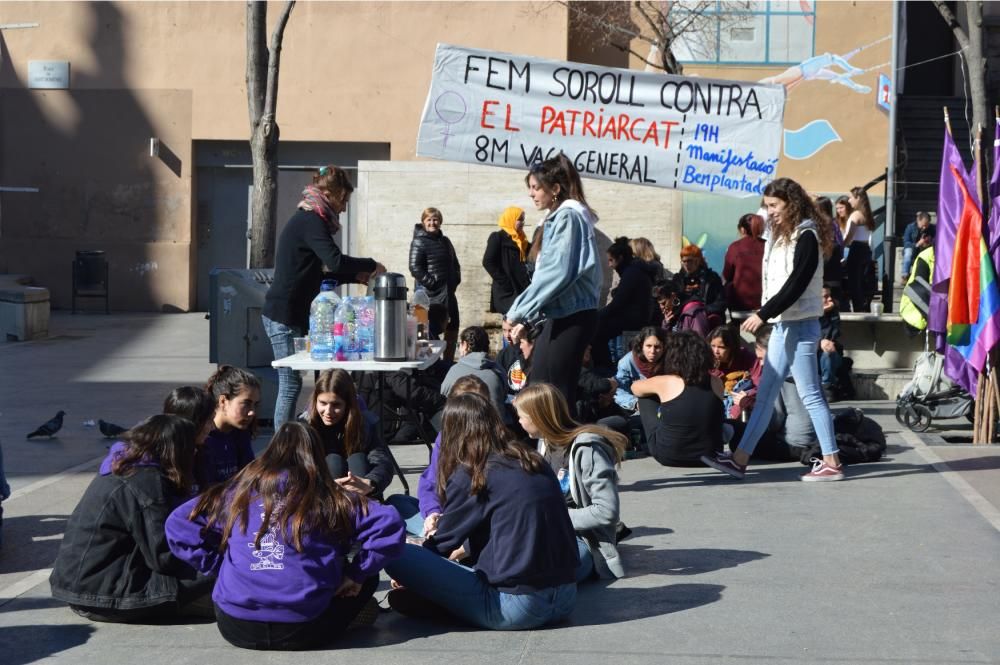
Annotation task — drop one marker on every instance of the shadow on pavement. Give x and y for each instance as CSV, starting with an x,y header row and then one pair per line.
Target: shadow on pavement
x,y
31,542
25,603
27,644
985,463
649,560
598,605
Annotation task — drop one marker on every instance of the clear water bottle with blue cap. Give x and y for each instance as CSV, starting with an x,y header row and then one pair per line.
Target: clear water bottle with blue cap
x,y
321,319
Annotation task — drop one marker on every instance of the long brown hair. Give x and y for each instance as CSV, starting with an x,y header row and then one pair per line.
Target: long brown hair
x,y
339,382
864,207
292,480
547,408
166,440
471,431
800,207
334,182
559,170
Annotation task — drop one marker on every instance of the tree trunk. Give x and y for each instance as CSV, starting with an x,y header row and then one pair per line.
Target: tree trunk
x,y
976,57
262,99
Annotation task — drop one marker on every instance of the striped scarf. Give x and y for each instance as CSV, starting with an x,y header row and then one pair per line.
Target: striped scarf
x,y
314,200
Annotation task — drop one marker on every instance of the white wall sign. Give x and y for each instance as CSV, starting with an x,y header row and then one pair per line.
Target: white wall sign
x,y
690,133
48,74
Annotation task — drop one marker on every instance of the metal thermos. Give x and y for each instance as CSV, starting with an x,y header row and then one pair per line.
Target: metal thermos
x,y
390,317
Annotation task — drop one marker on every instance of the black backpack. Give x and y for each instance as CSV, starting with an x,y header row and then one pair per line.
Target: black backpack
x,y
859,439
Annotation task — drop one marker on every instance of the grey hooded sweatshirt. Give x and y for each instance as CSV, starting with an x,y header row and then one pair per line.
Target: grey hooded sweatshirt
x,y
593,486
477,364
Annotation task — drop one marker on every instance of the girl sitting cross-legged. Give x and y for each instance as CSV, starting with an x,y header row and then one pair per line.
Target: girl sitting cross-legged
x,y
583,458
278,535
114,563
355,454
503,502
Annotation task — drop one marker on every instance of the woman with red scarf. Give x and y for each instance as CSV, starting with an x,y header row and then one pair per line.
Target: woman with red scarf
x,y
305,246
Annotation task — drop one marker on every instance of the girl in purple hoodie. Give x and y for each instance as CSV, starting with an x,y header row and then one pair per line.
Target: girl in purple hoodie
x,y
278,536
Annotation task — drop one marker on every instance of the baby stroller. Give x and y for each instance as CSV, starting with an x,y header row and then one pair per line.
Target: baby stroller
x,y
931,395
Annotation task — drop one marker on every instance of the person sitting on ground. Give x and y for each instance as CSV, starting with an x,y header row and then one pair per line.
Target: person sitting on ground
x,y
583,458
473,347
228,447
114,563
517,371
355,455
630,305
696,280
741,268
414,398
831,351
502,509
422,513
744,393
733,361
675,316
643,361
596,398
689,419
278,535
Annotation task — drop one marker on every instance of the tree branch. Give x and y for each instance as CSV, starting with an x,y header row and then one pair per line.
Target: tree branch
x,y
256,64
274,60
949,18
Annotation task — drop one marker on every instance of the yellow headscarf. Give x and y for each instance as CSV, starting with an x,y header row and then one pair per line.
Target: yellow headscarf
x,y
508,221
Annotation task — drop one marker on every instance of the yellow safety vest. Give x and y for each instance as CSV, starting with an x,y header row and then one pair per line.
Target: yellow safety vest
x,y
915,300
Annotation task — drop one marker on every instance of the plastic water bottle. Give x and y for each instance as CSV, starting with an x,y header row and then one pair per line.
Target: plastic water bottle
x,y
345,333
321,320
366,328
421,305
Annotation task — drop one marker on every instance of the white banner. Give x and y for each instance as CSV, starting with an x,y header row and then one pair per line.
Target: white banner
x,y
690,133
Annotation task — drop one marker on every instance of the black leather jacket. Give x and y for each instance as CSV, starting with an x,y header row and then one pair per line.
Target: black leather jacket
x,y
114,554
434,265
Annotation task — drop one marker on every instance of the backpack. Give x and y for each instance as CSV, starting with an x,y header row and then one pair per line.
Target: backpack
x,y
859,439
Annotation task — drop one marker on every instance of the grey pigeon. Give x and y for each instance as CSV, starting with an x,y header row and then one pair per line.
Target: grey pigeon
x,y
50,428
110,430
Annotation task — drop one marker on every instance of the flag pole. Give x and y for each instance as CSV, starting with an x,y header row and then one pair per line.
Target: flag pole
x,y
947,121
981,417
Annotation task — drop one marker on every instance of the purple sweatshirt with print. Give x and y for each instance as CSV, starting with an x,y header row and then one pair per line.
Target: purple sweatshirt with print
x,y
275,582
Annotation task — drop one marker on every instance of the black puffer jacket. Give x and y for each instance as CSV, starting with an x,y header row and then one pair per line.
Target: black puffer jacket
x,y
434,265
502,260
114,554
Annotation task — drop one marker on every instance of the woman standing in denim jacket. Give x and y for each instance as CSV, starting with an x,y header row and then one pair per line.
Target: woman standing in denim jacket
x,y
793,283
567,279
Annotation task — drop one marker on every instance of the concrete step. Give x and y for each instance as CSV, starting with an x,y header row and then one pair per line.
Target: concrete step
x,y
879,384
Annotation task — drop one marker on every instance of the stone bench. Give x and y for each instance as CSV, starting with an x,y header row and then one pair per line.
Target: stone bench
x,y
24,310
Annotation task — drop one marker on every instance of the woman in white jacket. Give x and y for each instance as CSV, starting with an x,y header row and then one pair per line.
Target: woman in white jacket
x,y
793,284
583,458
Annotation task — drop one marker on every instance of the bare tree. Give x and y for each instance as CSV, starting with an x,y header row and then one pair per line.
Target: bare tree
x,y
972,44
660,25
262,96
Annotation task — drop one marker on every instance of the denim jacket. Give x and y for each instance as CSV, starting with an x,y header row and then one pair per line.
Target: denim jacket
x,y
627,374
567,276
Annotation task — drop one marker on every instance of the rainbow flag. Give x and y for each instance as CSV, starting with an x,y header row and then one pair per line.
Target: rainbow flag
x,y
973,323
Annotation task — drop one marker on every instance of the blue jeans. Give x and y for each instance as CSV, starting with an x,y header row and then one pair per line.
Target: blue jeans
x,y
829,365
792,347
289,380
408,508
907,261
586,568
465,594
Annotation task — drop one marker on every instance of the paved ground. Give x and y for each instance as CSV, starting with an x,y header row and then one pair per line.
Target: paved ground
x,y
898,565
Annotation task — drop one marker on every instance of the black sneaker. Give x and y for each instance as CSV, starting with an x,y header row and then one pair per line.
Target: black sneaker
x,y
367,615
726,464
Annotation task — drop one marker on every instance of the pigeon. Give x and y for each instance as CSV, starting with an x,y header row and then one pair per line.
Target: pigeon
x,y
50,428
110,430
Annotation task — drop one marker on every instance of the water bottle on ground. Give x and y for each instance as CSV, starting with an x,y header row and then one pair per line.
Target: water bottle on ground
x,y
321,320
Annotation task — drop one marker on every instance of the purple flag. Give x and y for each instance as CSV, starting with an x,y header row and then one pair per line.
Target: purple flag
x,y
948,211
993,223
958,370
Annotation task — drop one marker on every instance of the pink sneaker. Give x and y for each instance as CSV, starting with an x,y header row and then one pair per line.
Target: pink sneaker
x,y
823,472
724,462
